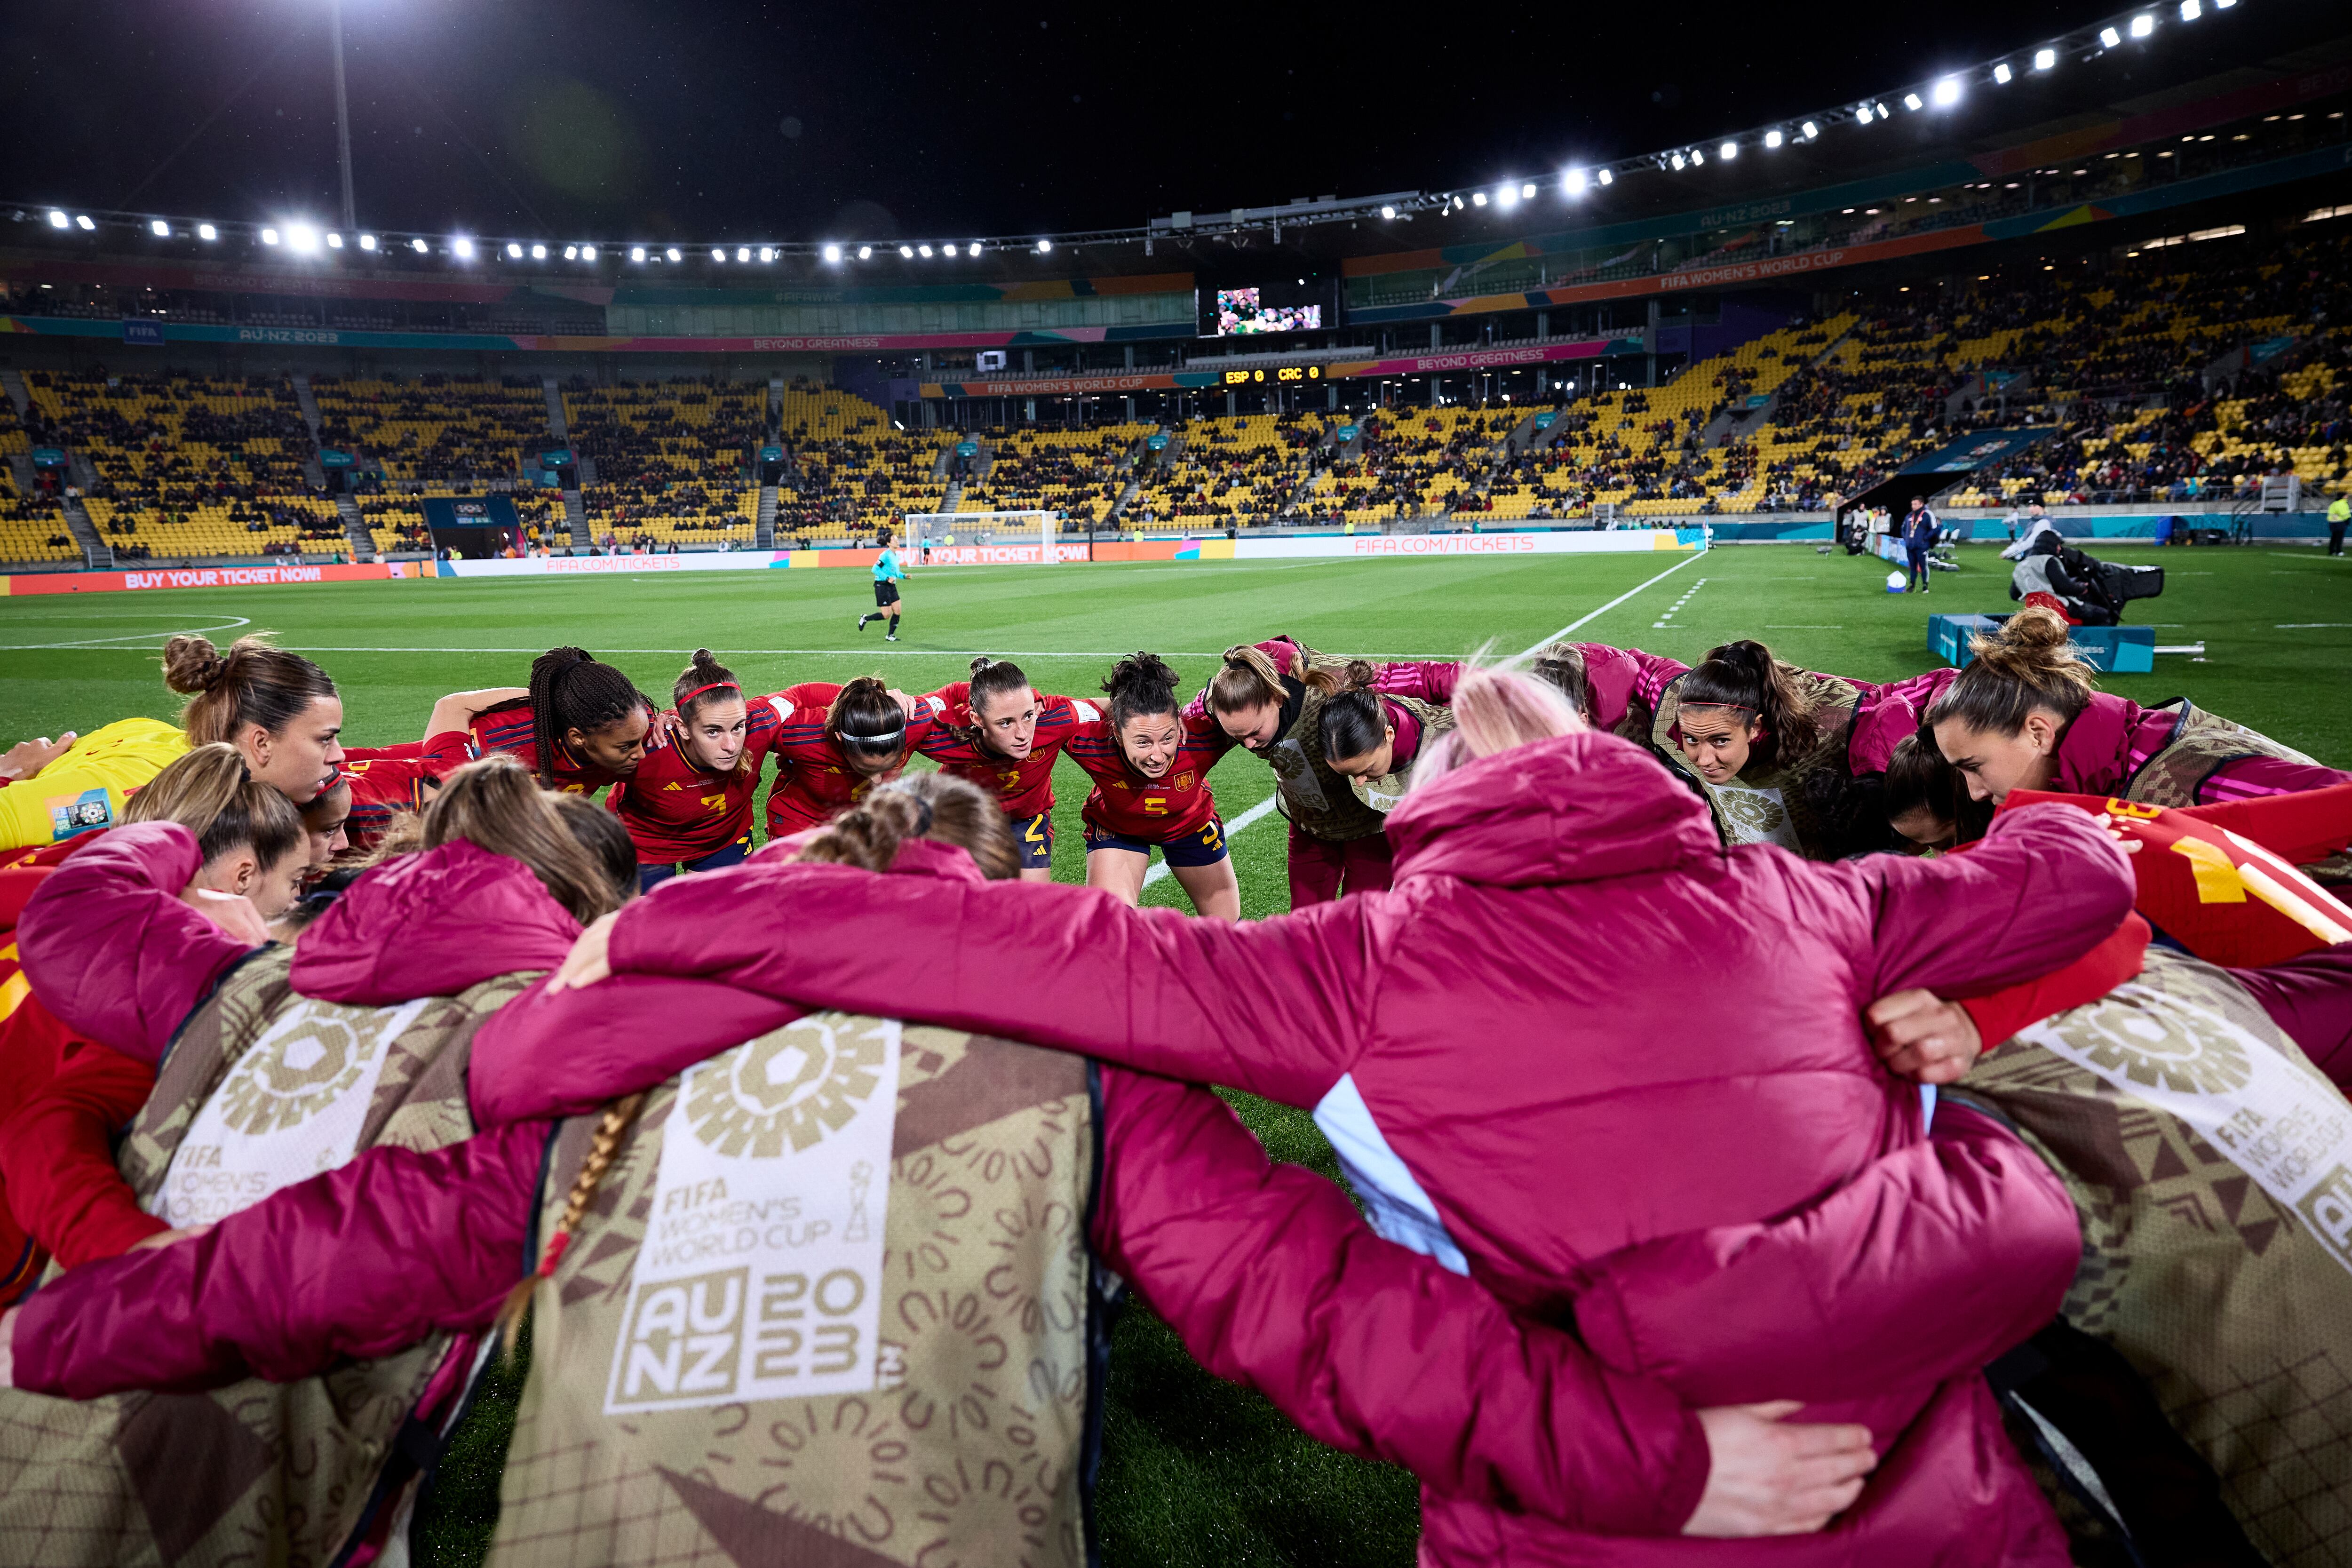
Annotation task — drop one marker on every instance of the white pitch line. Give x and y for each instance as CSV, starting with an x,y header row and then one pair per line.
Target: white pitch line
x,y
1265,806
1561,635
1160,868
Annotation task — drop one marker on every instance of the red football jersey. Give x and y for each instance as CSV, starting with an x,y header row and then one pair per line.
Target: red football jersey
x,y
508,728
384,786
1024,788
813,781
676,811
1155,810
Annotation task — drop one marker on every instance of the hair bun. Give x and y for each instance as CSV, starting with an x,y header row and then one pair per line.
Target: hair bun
x,y
982,662
193,663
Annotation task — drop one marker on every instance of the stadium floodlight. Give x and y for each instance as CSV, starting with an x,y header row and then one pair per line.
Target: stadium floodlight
x,y
2190,10
972,249
1507,195
1527,189
419,246
673,254
925,251
1457,202
58,219
1697,156
2044,58
1862,115
950,247
2110,38
571,253
206,231
907,252
2224,5
587,253
81,220
1772,138
1676,160
1728,151
269,237
1945,92
1812,128
334,240
160,229
514,252
538,253
865,253
1913,101
833,252
1044,246
1573,181
2001,73
1479,198
367,242
1388,212
767,254
742,253
637,253
1607,178
718,253
462,248
2143,24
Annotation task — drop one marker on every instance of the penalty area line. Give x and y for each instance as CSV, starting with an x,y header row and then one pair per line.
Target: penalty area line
x,y
1264,808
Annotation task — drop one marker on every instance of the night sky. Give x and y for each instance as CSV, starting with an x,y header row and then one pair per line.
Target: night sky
x,y
689,118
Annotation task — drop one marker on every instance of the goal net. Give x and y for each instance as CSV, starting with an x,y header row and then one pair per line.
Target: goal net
x,y
929,530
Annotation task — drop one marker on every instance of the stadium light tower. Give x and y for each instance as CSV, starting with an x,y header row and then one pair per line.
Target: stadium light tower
x,y
342,114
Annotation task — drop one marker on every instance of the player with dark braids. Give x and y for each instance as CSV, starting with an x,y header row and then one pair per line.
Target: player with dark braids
x,y
584,726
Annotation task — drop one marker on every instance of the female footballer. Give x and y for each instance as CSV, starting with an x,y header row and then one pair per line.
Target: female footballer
x,y
583,724
688,805
1149,762
831,745
1003,734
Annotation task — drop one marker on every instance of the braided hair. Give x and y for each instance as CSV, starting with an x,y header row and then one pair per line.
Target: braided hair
x,y
570,689
603,1148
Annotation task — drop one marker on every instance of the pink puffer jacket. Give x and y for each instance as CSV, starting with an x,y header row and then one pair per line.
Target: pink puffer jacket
x,y
1887,714
1577,1032
1264,1271
111,951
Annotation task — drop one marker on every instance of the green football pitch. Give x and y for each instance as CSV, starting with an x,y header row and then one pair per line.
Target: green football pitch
x,y
1194,1472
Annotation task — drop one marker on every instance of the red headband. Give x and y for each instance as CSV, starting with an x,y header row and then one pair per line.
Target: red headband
x,y
714,686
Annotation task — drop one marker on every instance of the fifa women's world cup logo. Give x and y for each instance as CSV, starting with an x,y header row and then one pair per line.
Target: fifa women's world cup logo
x,y
791,1086
2162,1045
1754,816
296,1071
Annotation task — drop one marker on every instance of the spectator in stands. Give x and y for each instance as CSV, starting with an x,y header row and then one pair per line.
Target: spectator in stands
x,y
2339,515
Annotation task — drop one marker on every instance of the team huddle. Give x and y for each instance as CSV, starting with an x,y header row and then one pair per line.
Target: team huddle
x,y
1826,1117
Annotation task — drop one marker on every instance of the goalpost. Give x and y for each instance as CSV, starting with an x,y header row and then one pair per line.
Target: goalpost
x,y
930,529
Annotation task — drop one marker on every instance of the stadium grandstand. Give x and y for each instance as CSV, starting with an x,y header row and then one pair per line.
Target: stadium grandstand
x,y
540,1029
2154,294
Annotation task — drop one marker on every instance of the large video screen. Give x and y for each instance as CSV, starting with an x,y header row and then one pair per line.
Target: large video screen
x,y
1241,314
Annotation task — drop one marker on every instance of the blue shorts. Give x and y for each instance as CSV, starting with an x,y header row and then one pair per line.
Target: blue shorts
x,y
1035,837
1205,845
652,876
